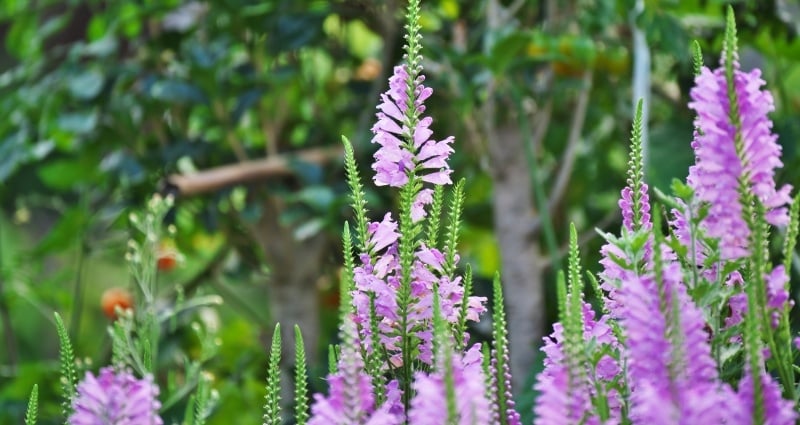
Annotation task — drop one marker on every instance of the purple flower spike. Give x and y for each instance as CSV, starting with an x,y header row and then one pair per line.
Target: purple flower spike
x,y
719,168
429,405
672,374
351,400
115,398
380,275
777,410
562,402
626,205
404,151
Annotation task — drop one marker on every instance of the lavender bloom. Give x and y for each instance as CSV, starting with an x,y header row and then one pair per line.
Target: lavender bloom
x,y
777,297
719,168
405,150
626,205
351,400
511,415
615,273
616,270
424,197
777,410
564,402
115,398
428,407
379,274
777,293
737,302
673,377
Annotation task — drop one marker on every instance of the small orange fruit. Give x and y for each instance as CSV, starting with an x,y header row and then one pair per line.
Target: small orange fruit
x,y
113,298
167,257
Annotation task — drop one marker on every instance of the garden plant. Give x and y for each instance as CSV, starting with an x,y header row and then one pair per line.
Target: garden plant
x,y
690,323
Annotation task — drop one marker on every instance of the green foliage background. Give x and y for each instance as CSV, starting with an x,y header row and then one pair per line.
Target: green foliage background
x,y
102,101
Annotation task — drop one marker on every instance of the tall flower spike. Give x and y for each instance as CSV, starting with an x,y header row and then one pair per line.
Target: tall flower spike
x,y
635,205
672,374
379,277
472,406
564,383
404,137
351,400
635,202
115,398
272,408
735,150
776,409
503,411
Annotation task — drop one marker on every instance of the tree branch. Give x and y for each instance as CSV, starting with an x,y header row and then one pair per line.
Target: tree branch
x,y
247,171
575,130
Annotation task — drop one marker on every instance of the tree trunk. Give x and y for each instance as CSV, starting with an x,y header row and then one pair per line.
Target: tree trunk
x,y
521,261
295,268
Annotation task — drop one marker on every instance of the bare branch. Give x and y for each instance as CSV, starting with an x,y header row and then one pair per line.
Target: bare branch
x,y
247,171
541,122
575,130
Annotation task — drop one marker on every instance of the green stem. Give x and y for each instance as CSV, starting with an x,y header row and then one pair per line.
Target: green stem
x,y
5,314
77,294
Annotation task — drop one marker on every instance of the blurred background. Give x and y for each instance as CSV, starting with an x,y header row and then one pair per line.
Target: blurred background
x,y
237,109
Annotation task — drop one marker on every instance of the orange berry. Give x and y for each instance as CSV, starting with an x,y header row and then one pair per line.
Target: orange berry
x,y
167,257
113,298
167,262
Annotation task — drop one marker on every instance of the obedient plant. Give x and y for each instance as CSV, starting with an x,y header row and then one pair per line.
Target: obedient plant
x,y
692,325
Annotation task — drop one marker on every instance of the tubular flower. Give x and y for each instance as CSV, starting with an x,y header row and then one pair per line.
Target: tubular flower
x,y
510,415
721,166
673,377
564,402
626,205
617,264
428,407
115,398
405,150
378,277
351,400
776,291
777,410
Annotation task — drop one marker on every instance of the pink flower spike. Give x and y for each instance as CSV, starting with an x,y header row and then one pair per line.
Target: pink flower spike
x,y
405,151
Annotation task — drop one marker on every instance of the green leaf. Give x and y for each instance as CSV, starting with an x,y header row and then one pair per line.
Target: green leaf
x,y
177,91
65,233
130,19
66,174
13,153
506,50
23,39
82,122
317,197
295,30
97,28
309,228
86,85
102,47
